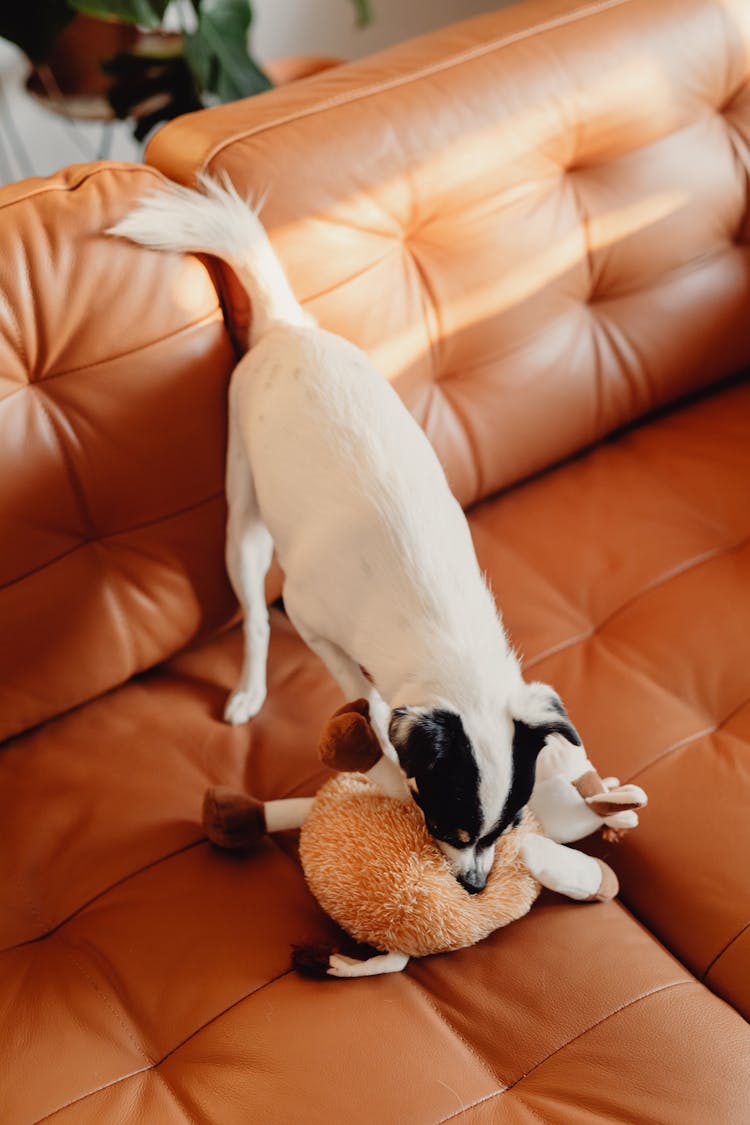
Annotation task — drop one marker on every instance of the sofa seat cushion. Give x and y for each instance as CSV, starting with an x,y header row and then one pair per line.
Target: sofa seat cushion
x,y
145,976
624,578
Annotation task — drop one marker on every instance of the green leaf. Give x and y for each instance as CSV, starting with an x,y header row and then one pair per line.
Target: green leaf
x,y
364,14
33,25
147,13
217,51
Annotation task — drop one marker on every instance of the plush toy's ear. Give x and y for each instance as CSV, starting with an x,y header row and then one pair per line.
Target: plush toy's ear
x,y
348,743
618,799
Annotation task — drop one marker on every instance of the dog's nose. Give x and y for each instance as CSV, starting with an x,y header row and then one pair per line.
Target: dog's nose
x,y
472,881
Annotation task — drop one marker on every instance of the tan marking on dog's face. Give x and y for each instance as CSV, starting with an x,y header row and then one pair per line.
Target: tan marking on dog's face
x,y
463,836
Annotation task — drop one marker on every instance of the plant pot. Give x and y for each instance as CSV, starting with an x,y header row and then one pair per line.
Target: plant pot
x,y
75,61
72,81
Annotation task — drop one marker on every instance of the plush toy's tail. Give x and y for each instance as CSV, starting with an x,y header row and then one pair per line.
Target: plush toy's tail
x,y
217,221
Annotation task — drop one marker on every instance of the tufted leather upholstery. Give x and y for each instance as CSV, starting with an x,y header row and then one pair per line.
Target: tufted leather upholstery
x,y
111,407
562,233
537,223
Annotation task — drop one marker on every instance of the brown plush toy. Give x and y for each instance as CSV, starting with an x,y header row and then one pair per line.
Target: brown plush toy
x,y
371,864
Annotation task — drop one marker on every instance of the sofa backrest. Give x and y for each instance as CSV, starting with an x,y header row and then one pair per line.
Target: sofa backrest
x,y
536,222
113,370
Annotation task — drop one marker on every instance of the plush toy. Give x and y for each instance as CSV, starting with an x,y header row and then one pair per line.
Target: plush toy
x,y
371,864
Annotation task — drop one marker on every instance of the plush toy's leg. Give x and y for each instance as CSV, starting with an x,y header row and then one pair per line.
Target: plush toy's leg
x,y
321,962
343,966
289,812
568,872
237,820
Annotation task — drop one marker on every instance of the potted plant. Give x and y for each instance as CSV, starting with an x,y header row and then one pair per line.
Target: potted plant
x,y
121,50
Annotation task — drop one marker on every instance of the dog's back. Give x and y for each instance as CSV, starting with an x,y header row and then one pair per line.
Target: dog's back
x,y
367,530
366,527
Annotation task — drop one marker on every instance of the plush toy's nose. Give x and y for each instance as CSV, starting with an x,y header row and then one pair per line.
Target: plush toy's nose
x,y
472,881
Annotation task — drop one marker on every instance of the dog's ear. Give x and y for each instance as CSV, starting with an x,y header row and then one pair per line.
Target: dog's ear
x,y
537,711
421,737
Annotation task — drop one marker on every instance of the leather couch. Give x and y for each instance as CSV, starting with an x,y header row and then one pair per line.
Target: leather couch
x,y
537,224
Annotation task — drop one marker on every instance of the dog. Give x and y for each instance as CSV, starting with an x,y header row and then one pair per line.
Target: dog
x,y
381,580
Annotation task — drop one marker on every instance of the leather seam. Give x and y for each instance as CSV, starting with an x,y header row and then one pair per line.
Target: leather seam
x,y
92,1093
485,1066
95,541
73,478
725,949
663,280
329,289
670,575
52,928
216,314
469,437
604,1019
118,613
14,329
430,310
84,514
568,1043
154,1064
104,168
107,1002
468,55
465,1108
180,1101
706,732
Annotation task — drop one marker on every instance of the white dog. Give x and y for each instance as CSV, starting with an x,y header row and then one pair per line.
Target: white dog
x,y
381,580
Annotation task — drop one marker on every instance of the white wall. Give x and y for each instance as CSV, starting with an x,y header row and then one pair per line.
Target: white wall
x,y
327,27
34,141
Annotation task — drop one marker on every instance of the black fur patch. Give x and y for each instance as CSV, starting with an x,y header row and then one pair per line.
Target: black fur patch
x,y
564,726
527,744
438,755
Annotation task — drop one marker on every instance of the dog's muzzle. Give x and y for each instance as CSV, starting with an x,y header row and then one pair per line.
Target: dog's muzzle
x,y
473,881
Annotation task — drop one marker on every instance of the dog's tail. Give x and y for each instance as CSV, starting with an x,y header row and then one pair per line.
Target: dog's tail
x,y
217,221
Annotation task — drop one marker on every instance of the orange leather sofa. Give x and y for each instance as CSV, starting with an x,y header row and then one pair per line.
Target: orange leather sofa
x,y
537,224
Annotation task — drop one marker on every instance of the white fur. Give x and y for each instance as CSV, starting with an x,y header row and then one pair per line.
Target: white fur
x,y
327,465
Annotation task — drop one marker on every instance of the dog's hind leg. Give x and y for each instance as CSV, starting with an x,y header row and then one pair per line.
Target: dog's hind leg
x,y
249,549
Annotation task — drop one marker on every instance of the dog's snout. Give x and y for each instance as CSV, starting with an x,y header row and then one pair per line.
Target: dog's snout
x,y
472,881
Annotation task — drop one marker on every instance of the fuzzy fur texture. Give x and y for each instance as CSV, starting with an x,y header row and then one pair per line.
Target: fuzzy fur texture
x,y
373,867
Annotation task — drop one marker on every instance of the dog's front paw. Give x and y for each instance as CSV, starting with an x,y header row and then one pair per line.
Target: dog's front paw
x,y
243,705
